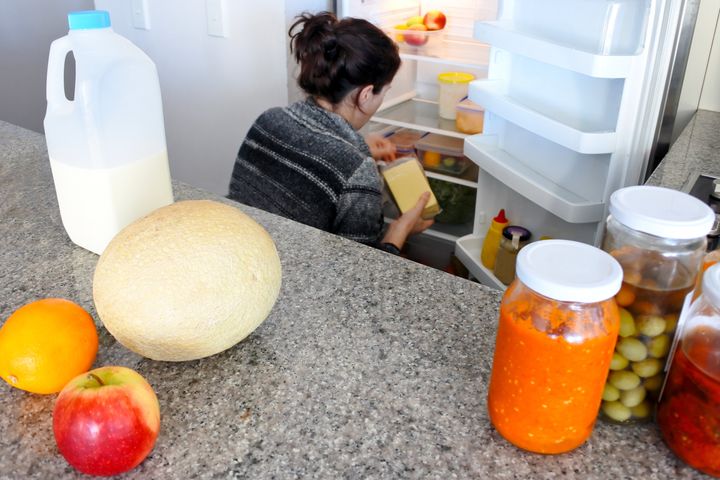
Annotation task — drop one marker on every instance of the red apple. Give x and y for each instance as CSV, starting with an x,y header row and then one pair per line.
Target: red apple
x,y
434,20
416,39
106,421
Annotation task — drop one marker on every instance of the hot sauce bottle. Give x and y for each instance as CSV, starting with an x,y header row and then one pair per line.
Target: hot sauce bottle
x,y
689,410
556,334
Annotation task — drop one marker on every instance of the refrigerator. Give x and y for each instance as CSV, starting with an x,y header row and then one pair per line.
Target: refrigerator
x,y
572,92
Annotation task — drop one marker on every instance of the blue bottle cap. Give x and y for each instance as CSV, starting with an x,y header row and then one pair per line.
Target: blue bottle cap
x,y
88,19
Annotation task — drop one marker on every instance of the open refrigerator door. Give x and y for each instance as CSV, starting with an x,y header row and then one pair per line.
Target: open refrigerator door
x,y
572,96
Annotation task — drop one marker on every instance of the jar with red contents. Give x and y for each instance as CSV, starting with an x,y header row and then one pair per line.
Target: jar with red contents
x,y
659,237
689,410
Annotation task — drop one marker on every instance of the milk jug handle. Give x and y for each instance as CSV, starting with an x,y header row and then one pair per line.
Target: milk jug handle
x,y
55,90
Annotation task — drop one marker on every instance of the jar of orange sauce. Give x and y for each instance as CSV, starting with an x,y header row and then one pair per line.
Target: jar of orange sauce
x,y
557,331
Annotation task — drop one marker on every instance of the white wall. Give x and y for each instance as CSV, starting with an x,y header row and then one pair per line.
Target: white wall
x,y
25,37
213,88
702,77
710,98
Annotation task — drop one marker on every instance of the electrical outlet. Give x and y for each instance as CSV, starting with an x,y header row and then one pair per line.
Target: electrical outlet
x,y
140,14
216,21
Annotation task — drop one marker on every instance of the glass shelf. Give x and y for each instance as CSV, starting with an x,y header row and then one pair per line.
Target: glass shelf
x,y
418,114
455,51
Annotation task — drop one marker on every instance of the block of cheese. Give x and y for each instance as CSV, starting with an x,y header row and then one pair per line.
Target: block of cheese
x,y
406,181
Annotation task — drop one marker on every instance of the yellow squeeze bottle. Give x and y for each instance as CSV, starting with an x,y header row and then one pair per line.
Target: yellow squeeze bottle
x,y
492,240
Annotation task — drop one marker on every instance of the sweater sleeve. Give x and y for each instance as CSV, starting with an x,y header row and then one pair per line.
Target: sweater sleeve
x,y
359,208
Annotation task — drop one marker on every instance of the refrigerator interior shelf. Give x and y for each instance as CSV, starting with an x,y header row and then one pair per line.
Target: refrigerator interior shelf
x,y
524,180
417,114
502,34
492,95
457,51
445,231
467,250
451,179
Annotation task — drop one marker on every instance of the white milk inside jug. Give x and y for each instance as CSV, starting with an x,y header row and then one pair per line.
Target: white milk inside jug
x,y
107,146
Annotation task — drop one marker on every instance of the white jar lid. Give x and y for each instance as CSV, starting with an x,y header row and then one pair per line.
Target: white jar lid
x,y
711,285
569,271
662,212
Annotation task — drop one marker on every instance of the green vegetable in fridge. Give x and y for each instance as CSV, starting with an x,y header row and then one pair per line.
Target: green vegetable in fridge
x,y
627,324
642,410
610,393
616,411
632,349
647,368
457,201
651,325
633,397
624,380
618,362
659,346
449,161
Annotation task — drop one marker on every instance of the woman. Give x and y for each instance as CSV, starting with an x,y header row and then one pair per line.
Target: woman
x,y
307,161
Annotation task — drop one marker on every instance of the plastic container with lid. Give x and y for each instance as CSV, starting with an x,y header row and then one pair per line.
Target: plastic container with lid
x,y
469,117
442,154
453,88
404,140
513,239
557,329
689,410
658,236
106,146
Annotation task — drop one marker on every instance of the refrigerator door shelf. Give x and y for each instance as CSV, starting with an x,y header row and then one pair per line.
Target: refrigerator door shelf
x,y
491,94
502,34
537,188
467,250
417,114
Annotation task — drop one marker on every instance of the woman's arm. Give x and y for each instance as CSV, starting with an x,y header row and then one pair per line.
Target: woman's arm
x,y
380,147
409,223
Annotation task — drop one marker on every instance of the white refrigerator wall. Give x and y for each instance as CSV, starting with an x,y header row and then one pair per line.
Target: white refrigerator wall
x,y
213,87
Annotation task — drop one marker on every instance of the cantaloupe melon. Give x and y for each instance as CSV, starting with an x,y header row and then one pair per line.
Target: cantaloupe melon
x,y
187,281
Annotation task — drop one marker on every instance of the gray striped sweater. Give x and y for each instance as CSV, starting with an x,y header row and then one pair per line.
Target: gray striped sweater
x,y
308,164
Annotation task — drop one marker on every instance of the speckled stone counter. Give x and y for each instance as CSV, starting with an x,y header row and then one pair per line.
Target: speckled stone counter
x,y
696,151
369,366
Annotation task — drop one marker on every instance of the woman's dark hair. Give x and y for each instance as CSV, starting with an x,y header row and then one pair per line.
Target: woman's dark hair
x,y
336,56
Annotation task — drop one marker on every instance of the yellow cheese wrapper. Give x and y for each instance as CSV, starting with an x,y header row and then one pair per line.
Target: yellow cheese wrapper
x,y
406,181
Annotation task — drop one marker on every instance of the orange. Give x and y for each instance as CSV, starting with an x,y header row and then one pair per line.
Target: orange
x,y
45,344
431,159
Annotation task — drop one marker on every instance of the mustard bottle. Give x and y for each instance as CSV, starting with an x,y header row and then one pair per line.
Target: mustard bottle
x,y
492,240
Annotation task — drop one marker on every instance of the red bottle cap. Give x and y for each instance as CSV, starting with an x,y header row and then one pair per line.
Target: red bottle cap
x,y
501,217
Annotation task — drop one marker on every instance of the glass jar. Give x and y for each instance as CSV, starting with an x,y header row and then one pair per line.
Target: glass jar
x,y
557,329
512,240
658,236
689,411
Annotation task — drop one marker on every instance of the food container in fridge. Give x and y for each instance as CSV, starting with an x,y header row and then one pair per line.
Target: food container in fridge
x,y
442,154
469,117
420,42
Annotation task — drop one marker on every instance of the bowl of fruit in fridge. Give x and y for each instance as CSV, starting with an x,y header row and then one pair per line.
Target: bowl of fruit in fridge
x,y
420,32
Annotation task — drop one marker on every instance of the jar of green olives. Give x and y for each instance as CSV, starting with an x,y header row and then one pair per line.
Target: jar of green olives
x,y
659,237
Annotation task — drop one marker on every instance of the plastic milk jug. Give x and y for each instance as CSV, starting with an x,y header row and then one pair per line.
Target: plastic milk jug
x,y
106,146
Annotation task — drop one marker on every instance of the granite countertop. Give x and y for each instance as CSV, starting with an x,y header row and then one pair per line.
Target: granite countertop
x,y
369,366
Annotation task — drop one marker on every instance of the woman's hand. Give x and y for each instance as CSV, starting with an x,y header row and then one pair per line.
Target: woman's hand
x,y
409,223
380,147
